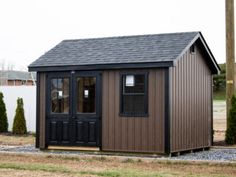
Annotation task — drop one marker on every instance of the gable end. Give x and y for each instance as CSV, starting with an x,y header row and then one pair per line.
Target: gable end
x,y
200,42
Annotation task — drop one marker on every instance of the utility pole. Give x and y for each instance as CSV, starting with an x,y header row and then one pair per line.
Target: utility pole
x,y
229,14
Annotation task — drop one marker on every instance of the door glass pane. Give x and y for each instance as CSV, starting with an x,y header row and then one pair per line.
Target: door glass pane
x,y
60,95
86,91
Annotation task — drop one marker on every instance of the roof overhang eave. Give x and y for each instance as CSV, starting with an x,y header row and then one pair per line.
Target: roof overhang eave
x,y
160,64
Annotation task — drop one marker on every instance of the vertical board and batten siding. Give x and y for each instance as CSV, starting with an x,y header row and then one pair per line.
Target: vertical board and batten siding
x,y
191,105
42,109
133,134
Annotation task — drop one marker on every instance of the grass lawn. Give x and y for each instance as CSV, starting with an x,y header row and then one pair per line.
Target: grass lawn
x,y
58,165
13,164
220,95
17,164
9,139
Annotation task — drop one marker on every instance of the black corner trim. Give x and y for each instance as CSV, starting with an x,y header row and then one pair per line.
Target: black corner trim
x,y
37,111
212,129
167,113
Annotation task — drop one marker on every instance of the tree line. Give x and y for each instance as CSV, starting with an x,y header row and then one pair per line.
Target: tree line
x,y
219,81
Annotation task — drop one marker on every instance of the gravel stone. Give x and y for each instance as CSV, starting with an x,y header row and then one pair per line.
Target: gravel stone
x,y
218,155
210,155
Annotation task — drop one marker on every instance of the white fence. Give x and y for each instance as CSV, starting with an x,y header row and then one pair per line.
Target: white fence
x,y
28,93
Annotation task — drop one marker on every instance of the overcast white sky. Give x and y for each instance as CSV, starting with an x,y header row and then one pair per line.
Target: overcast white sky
x,y
29,28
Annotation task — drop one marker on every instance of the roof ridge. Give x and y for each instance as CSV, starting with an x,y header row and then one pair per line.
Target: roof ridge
x,y
129,36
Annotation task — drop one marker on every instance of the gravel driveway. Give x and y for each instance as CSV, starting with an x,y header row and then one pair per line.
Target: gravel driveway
x,y
211,155
214,154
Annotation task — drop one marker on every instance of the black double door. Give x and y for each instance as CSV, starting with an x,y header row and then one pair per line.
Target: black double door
x,y
73,116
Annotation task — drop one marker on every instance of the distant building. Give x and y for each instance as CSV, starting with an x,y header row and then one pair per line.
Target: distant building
x,y
17,78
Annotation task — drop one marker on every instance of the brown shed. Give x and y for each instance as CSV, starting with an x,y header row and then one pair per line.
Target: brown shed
x,y
147,93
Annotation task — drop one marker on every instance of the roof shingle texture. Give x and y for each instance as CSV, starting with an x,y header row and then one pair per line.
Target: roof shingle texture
x,y
115,50
17,75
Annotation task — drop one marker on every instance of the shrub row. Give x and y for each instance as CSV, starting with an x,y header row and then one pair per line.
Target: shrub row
x,y
230,136
19,123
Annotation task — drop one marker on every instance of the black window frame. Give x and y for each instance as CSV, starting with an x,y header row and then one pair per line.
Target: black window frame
x,y
76,94
134,114
98,97
49,77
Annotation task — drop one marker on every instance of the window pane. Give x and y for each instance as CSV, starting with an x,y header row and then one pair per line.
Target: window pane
x,y
60,95
134,96
86,94
133,104
54,95
138,86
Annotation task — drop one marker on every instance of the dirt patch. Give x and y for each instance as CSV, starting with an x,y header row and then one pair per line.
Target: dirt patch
x,y
219,120
219,136
23,173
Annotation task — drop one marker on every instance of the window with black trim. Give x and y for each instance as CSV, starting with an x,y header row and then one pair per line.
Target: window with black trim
x,y
86,94
134,94
60,95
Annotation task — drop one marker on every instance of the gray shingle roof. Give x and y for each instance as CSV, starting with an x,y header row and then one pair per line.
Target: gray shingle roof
x,y
17,75
115,50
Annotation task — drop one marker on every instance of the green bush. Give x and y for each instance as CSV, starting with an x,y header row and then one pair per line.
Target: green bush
x,y
3,115
219,81
19,124
230,136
